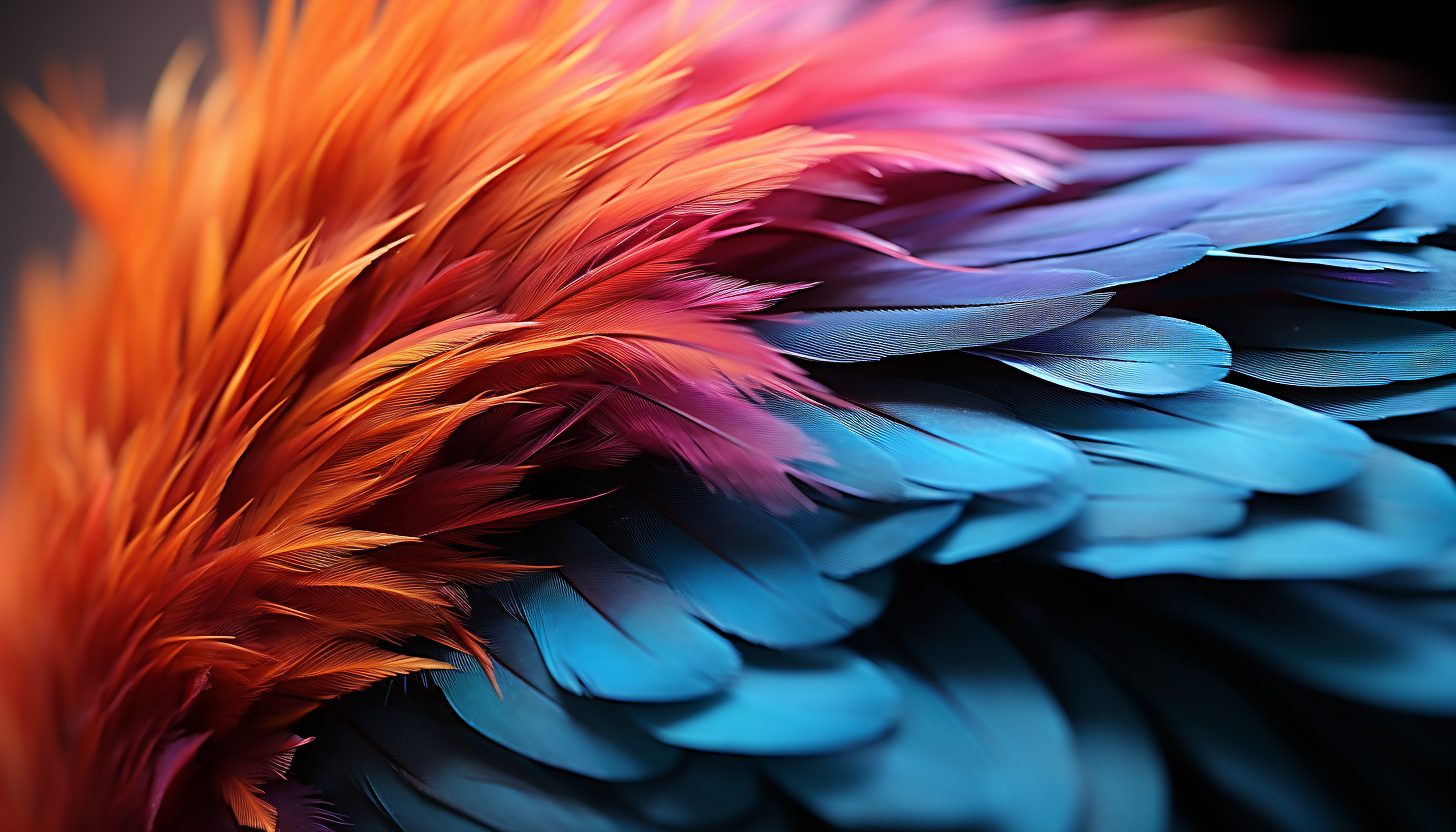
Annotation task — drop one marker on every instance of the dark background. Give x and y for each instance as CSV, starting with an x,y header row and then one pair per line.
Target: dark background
x,y
132,40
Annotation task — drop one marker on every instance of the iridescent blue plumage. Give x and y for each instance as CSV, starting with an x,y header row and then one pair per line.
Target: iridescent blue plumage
x,y
696,663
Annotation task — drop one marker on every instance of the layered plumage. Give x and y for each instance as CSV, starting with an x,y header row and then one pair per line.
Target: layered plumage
x,y
511,328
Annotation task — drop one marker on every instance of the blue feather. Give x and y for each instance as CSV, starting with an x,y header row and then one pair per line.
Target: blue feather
x,y
1402,398
932,772
849,536
866,335
907,285
1397,514
1236,168
436,768
1379,234
856,466
784,703
1122,769
1096,222
1221,432
535,718
1432,291
1121,351
1319,346
1432,203
608,628
982,741
1337,254
1131,501
1283,213
738,568
860,600
949,439
998,522
1433,428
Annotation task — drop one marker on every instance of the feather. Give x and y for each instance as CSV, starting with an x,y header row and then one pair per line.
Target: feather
x,y
1243,167
981,742
1001,521
608,628
1362,404
1396,514
792,703
1126,787
422,769
849,536
865,335
950,440
1026,280
1317,346
1221,432
1098,222
741,570
1436,428
1432,291
1131,501
855,465
1292,212
1121,351
534,718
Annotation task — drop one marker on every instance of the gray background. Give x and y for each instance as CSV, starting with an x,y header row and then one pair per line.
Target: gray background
x,y
131,40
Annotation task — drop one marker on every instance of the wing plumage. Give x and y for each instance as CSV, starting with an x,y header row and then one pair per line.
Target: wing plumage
x,y
503,347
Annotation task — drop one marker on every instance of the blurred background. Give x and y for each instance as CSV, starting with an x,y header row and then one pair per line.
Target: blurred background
x,y
131,41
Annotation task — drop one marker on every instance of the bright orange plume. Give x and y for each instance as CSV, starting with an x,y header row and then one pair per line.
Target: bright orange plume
x,y
230,480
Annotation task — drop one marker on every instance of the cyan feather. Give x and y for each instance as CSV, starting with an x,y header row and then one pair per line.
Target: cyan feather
x,y
608,628
1396,514
784,703
534,717
1222,432
741,570
1121,351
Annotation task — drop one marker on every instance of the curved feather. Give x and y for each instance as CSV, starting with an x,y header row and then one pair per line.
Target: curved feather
x,y
1433,291
1121,351
849,536
1235,745
1001,521
792,703
1361,404
1318,346
705,790
737,567
1124,780
869,334
533,717
1396,514
1026,280
1221,432
982,742
1129,501
610,629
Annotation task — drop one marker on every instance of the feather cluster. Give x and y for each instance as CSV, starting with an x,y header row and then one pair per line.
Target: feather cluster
x,y
332,325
